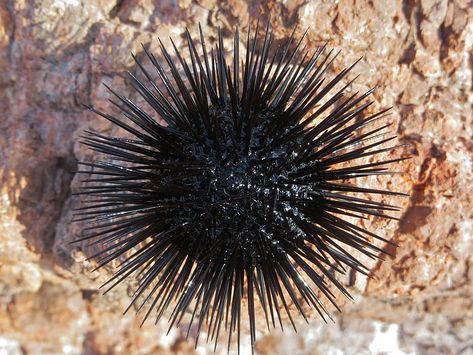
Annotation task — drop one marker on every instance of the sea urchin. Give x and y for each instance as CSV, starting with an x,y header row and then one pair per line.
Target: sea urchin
x,y
238,186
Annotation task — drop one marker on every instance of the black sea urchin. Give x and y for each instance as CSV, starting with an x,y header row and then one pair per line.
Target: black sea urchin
x,y
239,191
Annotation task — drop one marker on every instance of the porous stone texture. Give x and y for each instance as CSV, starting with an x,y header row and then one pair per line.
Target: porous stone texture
x,y
56,54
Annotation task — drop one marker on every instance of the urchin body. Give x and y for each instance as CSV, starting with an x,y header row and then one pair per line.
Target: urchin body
x,y
242,192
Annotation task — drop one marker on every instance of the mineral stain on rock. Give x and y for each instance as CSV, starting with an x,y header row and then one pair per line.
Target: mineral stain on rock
x,y
414,217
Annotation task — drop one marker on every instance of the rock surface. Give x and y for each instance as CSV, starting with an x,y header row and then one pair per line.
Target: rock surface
x,y
55,55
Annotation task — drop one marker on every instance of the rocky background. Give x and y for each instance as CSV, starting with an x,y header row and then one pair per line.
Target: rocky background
x,y
55,55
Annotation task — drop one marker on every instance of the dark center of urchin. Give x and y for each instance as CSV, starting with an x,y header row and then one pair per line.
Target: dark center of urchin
x,y
242,186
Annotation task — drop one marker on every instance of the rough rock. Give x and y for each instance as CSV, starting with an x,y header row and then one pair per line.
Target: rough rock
x,y
55,56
